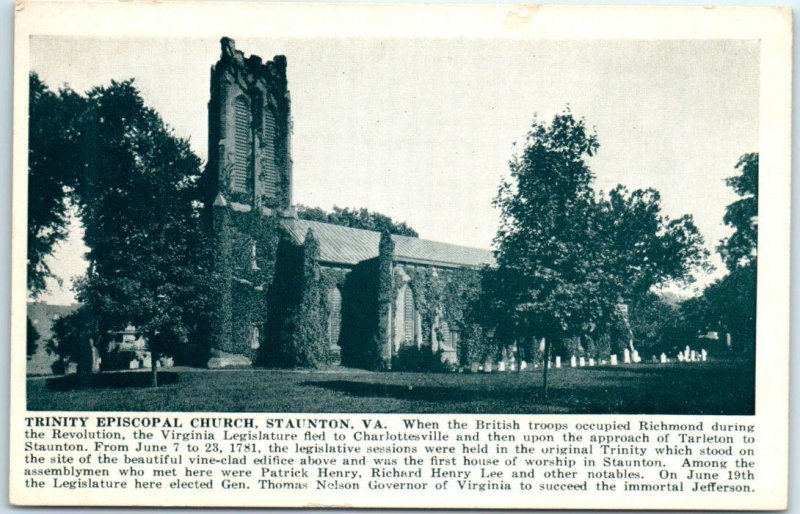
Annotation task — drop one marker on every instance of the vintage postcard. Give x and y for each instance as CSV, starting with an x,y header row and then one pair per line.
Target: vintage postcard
x,y
329,255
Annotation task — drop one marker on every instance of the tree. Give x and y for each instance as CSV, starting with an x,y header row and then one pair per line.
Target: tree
x,y
136,202
356,218
656,325
69,335
637,249
540,245
568,257
32,338
740,248
729,304
53,167
640,247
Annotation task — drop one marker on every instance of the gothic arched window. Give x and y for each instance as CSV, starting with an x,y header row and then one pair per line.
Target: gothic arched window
x,y
409,316
269,168
335,318
240,174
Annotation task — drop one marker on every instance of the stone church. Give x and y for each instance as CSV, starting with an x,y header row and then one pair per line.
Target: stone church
x,y
381,293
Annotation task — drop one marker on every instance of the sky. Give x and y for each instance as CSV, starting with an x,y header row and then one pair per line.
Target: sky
x,y
422,130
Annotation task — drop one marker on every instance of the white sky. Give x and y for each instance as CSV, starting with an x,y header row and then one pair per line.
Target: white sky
x,y
422,130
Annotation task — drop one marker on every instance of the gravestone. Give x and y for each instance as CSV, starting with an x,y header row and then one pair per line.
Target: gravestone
x,y
573,361
613,359
582,362
558,361
523,366
703,355
501,366
663,358
627,356
591,361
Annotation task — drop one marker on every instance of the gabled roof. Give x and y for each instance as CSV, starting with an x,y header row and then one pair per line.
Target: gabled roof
x,y
345,245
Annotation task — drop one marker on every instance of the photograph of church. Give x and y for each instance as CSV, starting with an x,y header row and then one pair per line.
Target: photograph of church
x,y
185,229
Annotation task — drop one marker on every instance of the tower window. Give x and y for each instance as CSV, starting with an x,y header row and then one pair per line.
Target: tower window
x,y
242,145
270,169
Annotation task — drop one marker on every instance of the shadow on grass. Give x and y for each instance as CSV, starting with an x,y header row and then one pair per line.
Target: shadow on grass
x,y
421,393
611,399
112,380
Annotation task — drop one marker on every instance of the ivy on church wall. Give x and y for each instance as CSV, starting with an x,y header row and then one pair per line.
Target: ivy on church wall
x,y
241,288
299,308
445,295
302,337
360,341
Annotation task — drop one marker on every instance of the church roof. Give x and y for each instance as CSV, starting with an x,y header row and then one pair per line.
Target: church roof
x,y
345,245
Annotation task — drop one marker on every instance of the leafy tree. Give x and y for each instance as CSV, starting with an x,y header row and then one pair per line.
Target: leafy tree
x,y
32,338
656,324
567,257
740,249
542,240
356,218
640,247
636,249
729,304
53,166
136,201
69,337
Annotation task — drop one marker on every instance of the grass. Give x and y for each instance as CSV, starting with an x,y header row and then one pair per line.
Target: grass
x,y
721,388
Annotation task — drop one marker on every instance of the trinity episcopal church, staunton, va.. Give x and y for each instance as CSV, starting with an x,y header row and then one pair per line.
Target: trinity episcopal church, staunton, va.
x,y
292,292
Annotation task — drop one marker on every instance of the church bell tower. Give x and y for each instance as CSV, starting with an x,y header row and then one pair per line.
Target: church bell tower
x,y
247,190
249,133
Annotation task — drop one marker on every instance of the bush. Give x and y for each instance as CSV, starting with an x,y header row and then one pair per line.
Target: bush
x,y
411,358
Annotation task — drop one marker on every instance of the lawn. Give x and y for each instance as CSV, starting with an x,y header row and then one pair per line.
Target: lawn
x,y
721,387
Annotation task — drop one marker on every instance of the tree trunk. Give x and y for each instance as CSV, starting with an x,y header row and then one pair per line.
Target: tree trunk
x,y
545,362
85,363
153,368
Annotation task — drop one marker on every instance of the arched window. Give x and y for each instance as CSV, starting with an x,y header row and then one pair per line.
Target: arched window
x,y
269,168
409,316
242,145
335,318
255,337
449,338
